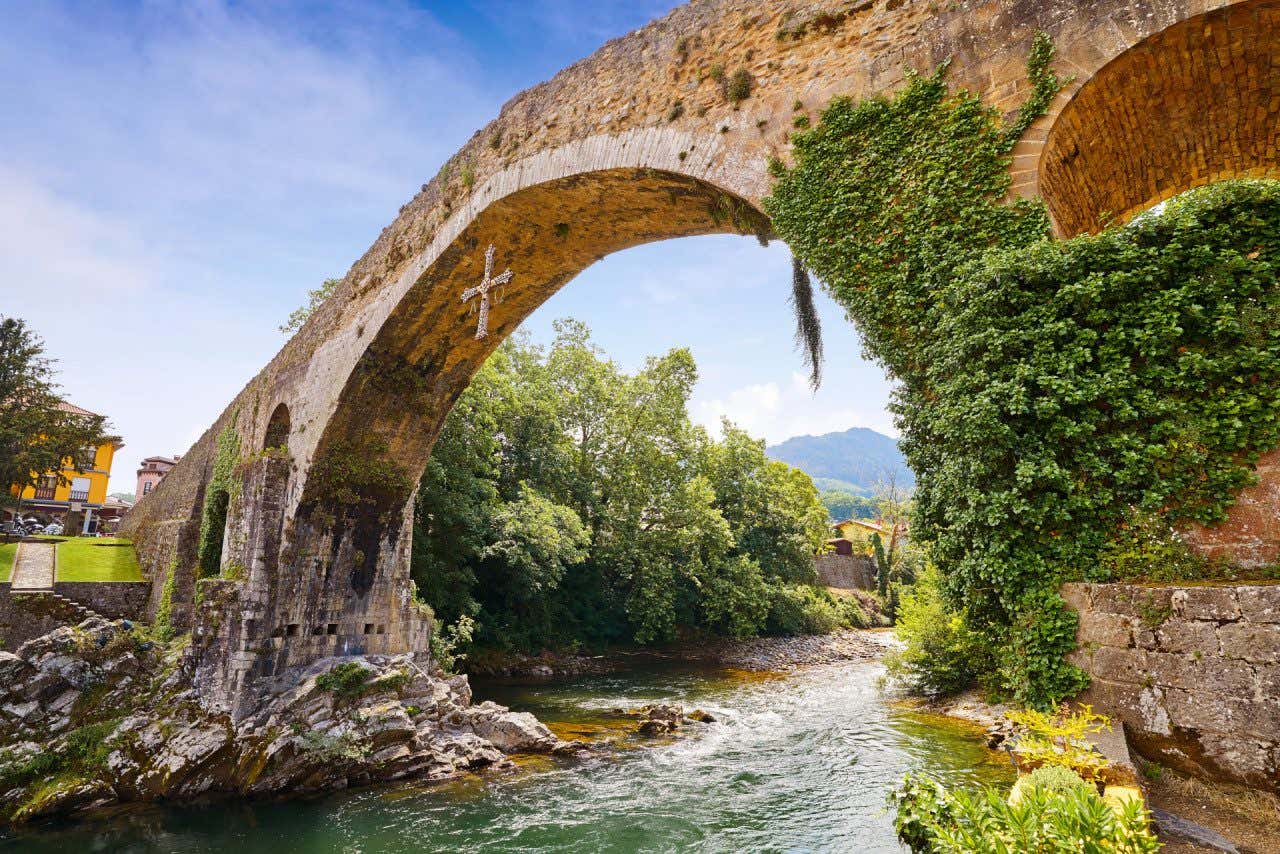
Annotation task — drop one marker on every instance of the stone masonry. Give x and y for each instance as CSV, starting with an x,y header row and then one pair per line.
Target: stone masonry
x,y
1192,671
637,143
845,572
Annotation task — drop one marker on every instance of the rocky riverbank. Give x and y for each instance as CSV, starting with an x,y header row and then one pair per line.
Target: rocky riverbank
x,y
789,653
98,714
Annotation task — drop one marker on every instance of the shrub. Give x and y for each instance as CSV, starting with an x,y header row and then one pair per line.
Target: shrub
x,y
803,609
346,681
942,654
1061,739
446,641
738,86
1055,779
929,818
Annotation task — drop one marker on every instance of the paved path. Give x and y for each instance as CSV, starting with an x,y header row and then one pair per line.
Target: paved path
x,y
32,567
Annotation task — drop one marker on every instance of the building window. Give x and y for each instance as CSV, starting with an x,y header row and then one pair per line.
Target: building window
x,y
79,489
146,488
47,486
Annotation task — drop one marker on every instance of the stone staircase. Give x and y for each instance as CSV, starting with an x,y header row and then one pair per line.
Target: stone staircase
x,y
34,570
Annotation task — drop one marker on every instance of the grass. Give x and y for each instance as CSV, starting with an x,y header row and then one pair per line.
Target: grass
x,y
7,551
97,559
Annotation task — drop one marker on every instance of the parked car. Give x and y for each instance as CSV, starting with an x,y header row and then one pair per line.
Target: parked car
x,y
53,529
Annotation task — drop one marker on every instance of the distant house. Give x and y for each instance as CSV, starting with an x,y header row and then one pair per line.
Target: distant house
x,y
151,472
72,491
853,531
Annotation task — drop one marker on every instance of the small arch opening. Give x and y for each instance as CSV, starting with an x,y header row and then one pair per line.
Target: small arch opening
x,y
277,435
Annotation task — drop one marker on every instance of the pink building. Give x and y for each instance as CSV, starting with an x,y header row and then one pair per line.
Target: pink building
x,y
152,472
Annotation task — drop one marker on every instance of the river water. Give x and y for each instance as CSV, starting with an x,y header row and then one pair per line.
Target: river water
x,y
797,762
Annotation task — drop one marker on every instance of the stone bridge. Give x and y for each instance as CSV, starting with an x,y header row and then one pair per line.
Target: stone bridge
x,y
663,133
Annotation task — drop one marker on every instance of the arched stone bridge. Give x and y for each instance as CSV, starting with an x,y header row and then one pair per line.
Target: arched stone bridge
x,y
643,141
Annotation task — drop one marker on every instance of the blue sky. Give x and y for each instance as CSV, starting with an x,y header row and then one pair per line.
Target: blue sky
x,y
177,175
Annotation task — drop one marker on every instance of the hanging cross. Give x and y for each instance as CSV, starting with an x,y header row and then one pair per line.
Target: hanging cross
x,y
490,281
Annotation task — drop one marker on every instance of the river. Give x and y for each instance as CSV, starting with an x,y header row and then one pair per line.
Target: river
x,y
797,762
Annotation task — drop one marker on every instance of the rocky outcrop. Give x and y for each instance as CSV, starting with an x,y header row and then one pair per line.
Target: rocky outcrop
x,y
98,713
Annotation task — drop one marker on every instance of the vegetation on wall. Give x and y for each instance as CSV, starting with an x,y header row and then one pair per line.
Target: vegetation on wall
x,y
568,502
222,489
1048,390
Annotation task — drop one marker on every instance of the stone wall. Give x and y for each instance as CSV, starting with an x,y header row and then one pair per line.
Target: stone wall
x,y
115,600
112,599
847,572
17,624
1192,671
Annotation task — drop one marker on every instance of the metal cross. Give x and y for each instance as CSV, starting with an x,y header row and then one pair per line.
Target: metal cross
x,y
490,281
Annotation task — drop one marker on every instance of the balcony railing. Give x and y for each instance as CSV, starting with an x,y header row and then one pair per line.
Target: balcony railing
x,y
79,495
45,492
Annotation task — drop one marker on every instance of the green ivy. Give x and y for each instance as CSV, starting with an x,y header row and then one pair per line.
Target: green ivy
x,y
162,628
1047,390
223,488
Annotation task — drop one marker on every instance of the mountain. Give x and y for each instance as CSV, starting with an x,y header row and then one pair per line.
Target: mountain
x,y
854,460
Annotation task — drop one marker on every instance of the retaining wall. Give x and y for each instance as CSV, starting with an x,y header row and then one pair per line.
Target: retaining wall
x,y
1193,671
112,599
847,572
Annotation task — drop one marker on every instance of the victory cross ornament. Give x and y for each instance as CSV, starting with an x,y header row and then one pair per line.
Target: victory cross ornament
x,y
489,283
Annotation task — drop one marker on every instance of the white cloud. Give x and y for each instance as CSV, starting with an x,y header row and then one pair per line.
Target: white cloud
x,y
53,246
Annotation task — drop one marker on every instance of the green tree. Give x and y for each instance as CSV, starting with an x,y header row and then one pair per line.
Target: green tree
x,y
568,501
38,434
315,297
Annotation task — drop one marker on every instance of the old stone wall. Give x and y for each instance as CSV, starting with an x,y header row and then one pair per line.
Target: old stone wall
x,y
115,600
847,572
17,624
1192,671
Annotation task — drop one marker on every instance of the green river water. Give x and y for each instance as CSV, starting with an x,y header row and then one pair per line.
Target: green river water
x,y
799,762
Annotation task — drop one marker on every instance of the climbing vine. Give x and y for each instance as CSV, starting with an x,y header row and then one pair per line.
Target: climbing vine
x,y
222,489
1048,391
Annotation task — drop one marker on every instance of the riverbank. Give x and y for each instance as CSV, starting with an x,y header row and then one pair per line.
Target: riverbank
x,y
759,654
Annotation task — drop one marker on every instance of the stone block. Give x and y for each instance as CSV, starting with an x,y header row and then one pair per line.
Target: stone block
x,y
1250,642
1135,705
1260,604
1203,673
1247,760
1104,629
1205,603
1131,600
1187,636
1224,713
1077,596
1268,681
1119,665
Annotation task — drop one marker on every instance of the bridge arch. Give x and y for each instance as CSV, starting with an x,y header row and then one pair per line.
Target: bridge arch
x,y
635,143
1196,102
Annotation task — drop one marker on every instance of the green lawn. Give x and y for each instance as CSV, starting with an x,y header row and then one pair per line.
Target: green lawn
x,y
7,551
97,559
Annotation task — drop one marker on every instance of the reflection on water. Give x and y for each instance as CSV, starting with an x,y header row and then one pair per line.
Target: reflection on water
x,y
799,762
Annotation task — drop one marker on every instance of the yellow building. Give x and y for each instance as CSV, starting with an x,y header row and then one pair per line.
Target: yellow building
x,y
853,529
852,535
76,491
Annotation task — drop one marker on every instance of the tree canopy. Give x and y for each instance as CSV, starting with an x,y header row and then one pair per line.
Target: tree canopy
x,y
568,501
38,433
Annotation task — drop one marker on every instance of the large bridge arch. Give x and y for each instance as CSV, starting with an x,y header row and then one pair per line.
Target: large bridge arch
x,y
638,142
1194,103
